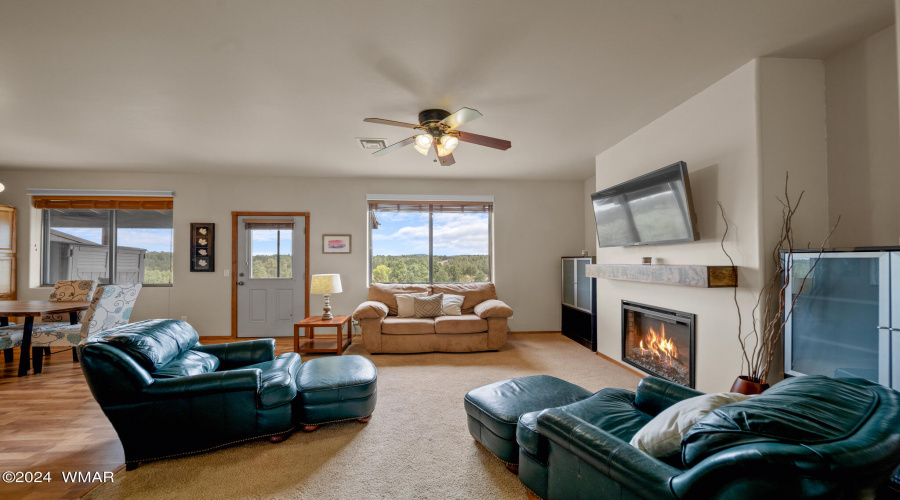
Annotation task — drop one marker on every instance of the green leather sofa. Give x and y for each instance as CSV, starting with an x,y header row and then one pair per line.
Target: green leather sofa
x,y
167,395
806,437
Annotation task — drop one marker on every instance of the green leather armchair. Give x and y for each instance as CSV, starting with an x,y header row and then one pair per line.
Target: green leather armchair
x,y
168,395
806,437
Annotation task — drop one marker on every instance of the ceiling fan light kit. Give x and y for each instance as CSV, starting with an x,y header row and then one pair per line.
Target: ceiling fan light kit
x,y
449,142
439,127
424,140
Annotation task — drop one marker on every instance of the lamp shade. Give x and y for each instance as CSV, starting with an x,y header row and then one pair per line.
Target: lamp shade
x,y
324,284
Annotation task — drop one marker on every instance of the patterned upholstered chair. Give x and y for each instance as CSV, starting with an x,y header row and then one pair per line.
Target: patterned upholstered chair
x,y
68,291
63,291
111,306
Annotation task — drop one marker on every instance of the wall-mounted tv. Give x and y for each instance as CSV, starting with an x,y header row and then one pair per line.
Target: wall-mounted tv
x,y
652,209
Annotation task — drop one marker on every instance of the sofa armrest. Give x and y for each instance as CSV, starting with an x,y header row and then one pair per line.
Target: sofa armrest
x,y
205,384
493,308
611,456
370,309
776,470
238,354
655,395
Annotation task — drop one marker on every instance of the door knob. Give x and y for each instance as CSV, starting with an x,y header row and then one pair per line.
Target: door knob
x,y
240,283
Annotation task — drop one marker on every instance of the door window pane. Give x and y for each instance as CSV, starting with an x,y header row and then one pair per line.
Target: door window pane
x,y
285,262
272,252
144,246
461,247
76,245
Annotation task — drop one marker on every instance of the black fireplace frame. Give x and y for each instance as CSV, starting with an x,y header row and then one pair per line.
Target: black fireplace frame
x,y
669,316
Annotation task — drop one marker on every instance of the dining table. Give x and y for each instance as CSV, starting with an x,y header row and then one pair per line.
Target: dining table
x,y
30,309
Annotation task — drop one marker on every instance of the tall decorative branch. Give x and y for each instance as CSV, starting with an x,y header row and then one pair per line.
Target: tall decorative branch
x,y
737,306
759,354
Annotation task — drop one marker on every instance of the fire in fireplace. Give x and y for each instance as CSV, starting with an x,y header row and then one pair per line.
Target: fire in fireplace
x,y
659,341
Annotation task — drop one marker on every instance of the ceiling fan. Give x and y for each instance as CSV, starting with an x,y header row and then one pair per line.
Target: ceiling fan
x,y
439,132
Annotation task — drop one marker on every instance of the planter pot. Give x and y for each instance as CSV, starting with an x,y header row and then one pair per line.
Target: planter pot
x,y
744,385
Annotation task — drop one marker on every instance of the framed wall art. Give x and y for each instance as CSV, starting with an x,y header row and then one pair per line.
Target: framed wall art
x,y
203,248
335,243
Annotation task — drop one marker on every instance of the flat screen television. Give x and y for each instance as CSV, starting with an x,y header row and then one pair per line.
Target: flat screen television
x,y
652,209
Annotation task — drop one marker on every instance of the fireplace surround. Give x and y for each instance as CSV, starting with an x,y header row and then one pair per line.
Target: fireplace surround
x,y
659,341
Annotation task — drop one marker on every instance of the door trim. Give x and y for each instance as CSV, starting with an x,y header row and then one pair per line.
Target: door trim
x,y
10,253
234,261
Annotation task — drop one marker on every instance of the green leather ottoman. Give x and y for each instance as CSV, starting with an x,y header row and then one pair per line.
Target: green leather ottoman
x,y
334,389
494,410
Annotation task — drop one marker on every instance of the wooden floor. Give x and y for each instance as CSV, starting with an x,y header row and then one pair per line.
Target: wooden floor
x,y
51,423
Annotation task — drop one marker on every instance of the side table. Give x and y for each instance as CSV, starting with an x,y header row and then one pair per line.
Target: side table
x,y
314,345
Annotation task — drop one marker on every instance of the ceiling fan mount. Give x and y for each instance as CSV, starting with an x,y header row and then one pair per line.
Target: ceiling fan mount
x,y
429,117
439,127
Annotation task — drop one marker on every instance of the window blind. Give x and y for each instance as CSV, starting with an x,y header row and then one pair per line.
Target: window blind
x,y
123,203
101,199
269,224
469,207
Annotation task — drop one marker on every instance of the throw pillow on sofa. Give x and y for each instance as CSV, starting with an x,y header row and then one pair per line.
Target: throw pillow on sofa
x,y
429,307
405,305
661,437
452,304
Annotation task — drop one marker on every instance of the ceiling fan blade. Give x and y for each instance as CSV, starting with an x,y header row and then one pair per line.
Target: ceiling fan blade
x,y
382,121
483,140
396,145
464,115
445,160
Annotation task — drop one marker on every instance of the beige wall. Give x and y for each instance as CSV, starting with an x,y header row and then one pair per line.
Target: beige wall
x,y
534,224
715,133
738,137
793,140
590,225
863,146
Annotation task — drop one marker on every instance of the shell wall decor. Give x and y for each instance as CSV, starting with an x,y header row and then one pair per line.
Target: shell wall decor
x,y
203,249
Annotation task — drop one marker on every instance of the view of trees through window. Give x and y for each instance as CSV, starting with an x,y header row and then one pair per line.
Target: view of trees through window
x,y
158,268
460,242
264,266
414,268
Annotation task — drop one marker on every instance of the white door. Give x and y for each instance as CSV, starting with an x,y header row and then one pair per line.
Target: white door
x,y
270,275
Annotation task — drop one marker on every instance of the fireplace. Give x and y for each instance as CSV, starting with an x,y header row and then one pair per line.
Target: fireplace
x,y
659,341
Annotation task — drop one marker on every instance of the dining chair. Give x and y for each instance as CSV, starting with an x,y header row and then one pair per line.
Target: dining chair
x,y
69,291
63,291
111,306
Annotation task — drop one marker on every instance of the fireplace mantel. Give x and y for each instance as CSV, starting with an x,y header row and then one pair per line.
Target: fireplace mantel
x,y
696,276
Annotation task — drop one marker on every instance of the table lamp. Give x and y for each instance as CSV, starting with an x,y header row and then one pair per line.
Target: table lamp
x,y
326,284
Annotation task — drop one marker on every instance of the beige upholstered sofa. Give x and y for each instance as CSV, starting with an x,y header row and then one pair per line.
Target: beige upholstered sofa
x,y
481,327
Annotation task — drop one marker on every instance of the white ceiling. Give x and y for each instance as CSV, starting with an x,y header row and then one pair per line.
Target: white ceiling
x,y
281,87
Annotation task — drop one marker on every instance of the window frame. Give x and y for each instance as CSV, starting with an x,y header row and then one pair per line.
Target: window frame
x,y
430,203
112,246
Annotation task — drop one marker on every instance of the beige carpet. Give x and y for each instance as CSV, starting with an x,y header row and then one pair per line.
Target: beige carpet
x,y
417,444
